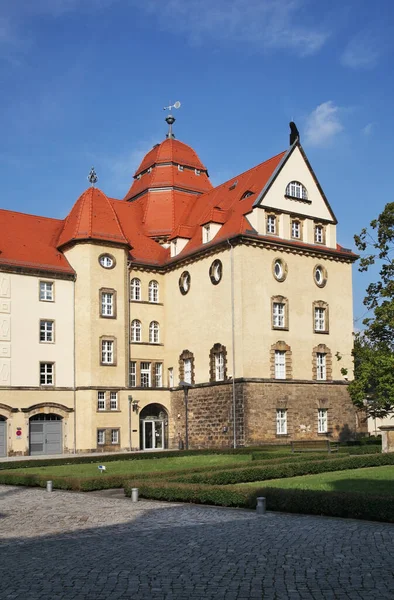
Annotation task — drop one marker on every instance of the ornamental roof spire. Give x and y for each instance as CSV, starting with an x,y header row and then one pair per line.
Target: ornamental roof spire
x,y
170,119
92,177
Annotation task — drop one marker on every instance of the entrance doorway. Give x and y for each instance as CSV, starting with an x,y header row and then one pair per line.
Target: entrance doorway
x,y
153,427
45,434
3,436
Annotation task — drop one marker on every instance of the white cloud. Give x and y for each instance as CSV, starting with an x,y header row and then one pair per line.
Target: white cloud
x,y
323,124
362,52
262,24
368,129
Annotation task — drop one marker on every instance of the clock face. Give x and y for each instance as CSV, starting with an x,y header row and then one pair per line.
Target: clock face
x,y
184,282
106,261
216,271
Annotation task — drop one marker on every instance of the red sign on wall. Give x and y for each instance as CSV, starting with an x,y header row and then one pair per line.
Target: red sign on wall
x,y
18,431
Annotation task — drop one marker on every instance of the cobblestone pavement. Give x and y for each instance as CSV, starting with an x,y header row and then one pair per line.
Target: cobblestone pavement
x,y
62,545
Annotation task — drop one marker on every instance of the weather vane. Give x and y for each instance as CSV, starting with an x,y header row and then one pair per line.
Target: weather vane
x,y
92,177
170,119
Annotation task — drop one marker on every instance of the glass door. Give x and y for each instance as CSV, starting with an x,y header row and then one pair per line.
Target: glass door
x,y
153,435
159,437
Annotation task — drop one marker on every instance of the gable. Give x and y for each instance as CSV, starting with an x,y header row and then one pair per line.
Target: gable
x,y
295,167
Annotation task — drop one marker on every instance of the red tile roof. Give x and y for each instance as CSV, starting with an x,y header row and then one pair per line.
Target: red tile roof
x,y
171,150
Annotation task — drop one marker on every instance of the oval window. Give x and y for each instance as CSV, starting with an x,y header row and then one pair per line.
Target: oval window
x,y
216,271
184,282
320,275
107,261
279,269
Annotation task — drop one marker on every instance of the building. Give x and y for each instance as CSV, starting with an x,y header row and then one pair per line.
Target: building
x,y
241,291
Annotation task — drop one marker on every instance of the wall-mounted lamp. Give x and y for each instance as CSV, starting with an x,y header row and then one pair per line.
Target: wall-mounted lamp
x,y
134,404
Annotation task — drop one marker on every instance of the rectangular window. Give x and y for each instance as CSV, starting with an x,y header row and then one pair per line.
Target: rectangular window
x,y
281,421
187,370
145,374
278,314
113,400
46,291
171,377
100,437
46,331
280,364
319,234
322,420
107,304
206,234
47,373
321,366
158,375
295,230
107,352
271,224
100,400
180,168
320,319
114,436
219,366
132,374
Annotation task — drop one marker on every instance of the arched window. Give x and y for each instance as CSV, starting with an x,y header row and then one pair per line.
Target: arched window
x,y
295,189
136,330
153,291
154,332
135,289
218,363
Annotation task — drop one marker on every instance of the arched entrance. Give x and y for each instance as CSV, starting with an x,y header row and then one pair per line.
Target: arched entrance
x,y
3,436
45,434
153,427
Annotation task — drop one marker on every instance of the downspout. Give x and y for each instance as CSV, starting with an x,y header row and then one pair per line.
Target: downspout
x,y
233,341
74,375
128,353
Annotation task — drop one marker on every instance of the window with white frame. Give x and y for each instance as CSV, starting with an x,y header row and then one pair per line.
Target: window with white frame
x,y
206,234
47,331
133,374
281,421
187,370
296,230
46,291
47,373
180,168
158,375
320,319
271,224
280,364
319,234
135,289
145,372
295,189
322,420
197,171
107,352
113,400
154,332
100,400
107,304
219,366
321,366
171,377
136,330
278,314
153,291
114,436
100,437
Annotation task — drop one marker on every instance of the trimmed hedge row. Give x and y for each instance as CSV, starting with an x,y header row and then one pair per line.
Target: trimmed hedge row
x,y
310,467
354,505
366,449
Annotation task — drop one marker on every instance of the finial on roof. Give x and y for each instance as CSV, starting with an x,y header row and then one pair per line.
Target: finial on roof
x,y
294,133
92,177
170,119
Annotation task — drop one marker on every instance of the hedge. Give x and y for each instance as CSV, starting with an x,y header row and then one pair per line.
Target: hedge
x,y
335,504
307,467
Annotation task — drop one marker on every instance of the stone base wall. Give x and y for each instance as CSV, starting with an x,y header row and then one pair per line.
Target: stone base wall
x,y
210,413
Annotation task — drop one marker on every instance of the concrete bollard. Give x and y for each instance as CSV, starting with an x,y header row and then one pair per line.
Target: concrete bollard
x,y
49,486
134,494
261,506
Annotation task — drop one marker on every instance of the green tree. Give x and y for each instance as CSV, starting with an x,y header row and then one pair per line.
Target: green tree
x,y
373,386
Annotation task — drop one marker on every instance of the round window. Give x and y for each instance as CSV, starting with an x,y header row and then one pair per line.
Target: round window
x,y
279,269
107,261
216,271
320,275
184,282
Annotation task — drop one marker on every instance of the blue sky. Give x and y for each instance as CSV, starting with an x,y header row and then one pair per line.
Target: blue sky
x,y
84,83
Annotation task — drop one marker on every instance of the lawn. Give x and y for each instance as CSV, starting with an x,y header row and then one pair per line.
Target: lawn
x,y
131,467
373,480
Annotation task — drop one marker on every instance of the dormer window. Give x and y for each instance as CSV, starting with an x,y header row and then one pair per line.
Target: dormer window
x,y
319,234
206,234
150,170
271,224
197,171
139,176
246,195
180,168
295,189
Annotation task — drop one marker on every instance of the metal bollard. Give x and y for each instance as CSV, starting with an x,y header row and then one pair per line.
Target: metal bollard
x,y
261,506
134,494
49,486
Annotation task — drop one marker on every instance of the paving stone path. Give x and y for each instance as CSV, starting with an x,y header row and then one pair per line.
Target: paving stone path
x,y
60,545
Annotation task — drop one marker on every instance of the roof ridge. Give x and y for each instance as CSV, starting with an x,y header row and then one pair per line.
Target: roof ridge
x,y
17,212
